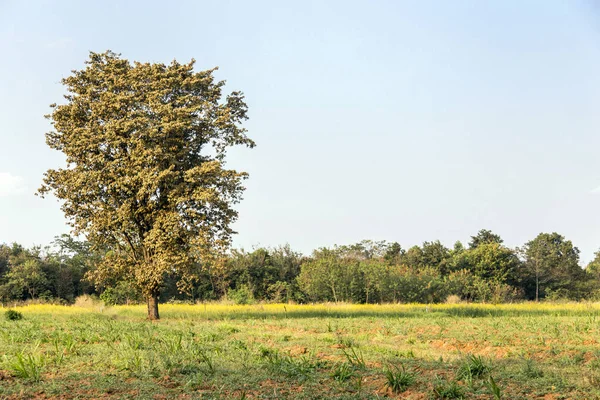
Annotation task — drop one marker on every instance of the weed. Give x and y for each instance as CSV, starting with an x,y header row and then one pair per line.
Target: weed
x,y
472,367
494,388
27,366
398,379
342,372
448,390
355,358
59,354
531,370
205,358
173,344
287,365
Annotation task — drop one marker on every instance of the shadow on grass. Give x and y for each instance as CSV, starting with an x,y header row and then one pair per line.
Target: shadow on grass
x,y
466,311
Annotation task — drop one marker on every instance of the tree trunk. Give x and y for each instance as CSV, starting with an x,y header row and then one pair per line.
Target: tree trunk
x,y
153,307
334,295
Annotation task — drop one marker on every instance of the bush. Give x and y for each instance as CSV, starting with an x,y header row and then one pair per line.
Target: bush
x,y
13,315
123,293
243,295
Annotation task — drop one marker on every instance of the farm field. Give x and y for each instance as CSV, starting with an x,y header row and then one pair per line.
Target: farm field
x,y
338,351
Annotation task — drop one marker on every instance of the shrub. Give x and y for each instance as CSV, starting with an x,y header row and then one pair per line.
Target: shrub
x,y
122,293
243,295
13,315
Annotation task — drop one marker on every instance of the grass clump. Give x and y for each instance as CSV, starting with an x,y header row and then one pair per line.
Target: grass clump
x,y
448,390
355,357
398,379
472,367
13,315
494,388
289,366
531,370
343,372
27,366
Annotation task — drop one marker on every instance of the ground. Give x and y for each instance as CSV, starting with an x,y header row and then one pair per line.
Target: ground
x,y
216,351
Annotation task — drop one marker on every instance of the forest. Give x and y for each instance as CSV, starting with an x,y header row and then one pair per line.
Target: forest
x,y
485,270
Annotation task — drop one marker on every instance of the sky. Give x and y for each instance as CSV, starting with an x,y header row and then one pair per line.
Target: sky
x,y
402,121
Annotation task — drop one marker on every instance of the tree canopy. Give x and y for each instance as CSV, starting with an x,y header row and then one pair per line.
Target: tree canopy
x,y
552,263
145,146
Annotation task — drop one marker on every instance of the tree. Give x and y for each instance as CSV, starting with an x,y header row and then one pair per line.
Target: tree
x,y
593,267
254,270
436,255
413,257
484,236
364,250
145,147
393,254
329,277
552,262
492,261
26,277
5,252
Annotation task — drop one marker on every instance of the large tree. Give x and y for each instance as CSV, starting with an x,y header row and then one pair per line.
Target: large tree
x,y
145,147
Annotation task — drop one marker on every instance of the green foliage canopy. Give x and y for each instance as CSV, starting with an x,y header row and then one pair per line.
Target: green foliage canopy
x,y
145,147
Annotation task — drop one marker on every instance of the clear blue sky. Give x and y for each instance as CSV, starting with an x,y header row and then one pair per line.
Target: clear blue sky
x,y
398,120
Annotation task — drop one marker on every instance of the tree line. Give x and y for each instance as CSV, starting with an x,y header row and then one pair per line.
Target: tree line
x,y
485,270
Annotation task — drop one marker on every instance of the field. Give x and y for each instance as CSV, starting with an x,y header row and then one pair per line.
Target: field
x,y
215,351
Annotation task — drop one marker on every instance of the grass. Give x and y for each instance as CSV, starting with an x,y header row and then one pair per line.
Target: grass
x,y
398,379
275,351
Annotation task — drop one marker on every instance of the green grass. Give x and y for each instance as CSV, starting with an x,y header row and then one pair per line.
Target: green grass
x,y
218,351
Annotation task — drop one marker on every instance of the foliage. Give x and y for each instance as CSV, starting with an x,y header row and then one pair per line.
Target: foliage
x,y
145,146
122,293
485,236
243,295
551,263
365,272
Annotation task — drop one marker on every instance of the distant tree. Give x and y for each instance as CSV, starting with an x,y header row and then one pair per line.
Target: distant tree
x,y
436,255
484,236
5,252
26,277
255,270
494,262
593,267
365,250
413,257
329,277
552,263
431,254
145,147
393,254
